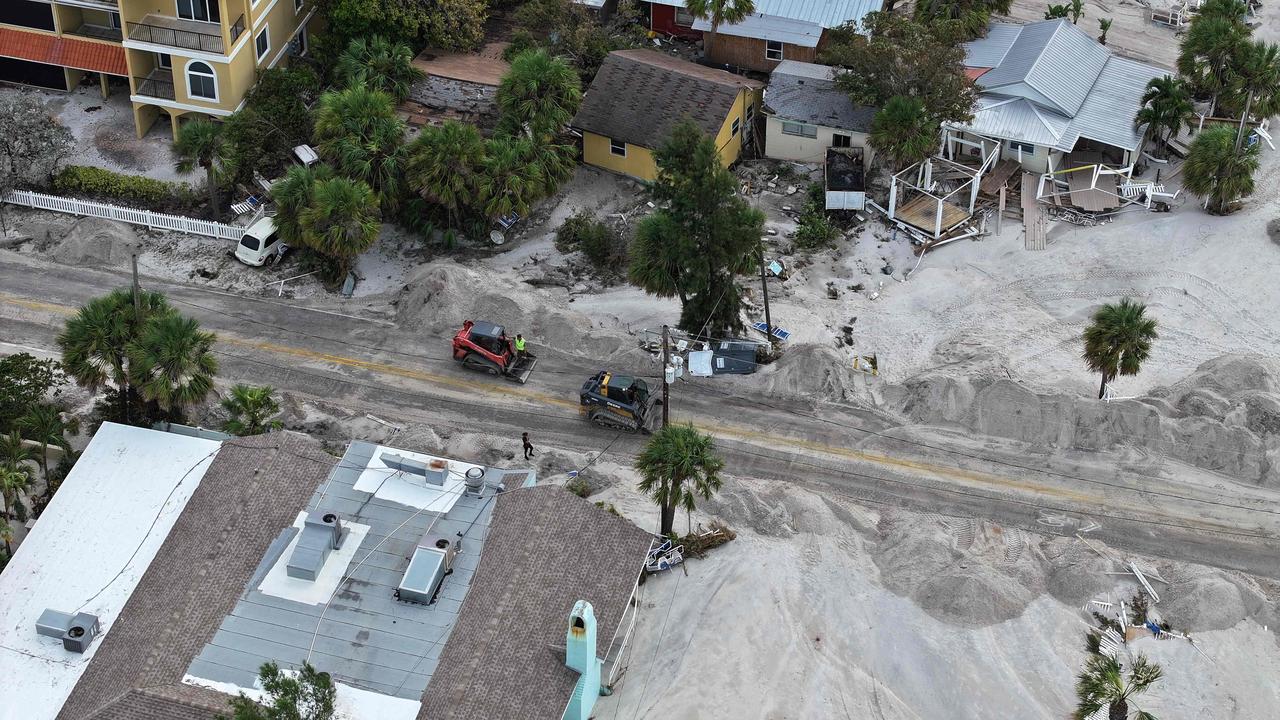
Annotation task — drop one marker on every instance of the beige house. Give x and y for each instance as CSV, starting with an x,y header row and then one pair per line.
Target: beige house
x,y
806,114
179,57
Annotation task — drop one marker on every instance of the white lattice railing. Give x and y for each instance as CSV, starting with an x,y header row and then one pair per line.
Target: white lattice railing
x,y
135,216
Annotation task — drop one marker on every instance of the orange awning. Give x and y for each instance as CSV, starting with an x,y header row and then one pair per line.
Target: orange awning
x,y
973,73
53,50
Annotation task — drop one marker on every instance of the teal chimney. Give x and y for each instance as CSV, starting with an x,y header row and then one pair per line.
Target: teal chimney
x,y
580,656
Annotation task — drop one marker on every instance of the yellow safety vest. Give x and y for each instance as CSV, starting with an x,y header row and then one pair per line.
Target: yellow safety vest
x,y
519,344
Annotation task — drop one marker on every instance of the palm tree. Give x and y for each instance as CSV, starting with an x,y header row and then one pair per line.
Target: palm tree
x,y
1165,108
200,143
1256,75
1105,684
902,132
96,340
1118,340
15,481
1217,171
971,16
43,423
509,182
1208,49
718,12
359,131
378,64
251,410
1104,24
1077,11
342,220
677,465
173,363
445,165
6,536
538,96
292,194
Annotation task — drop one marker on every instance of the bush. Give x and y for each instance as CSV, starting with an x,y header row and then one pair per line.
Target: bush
x,y
815,230
95,182
596,241
579,486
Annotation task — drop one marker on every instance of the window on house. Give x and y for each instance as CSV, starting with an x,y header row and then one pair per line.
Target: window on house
x,y
1026,148
751,112
299,44
773,49
800,129
262,43
203,10
841,141
617,147
737,127
297,5
201,81
684,18
163,60
115,20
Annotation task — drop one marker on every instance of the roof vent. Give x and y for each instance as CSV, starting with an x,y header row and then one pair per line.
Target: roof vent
x,y
474,480
432,559
75,631
322,532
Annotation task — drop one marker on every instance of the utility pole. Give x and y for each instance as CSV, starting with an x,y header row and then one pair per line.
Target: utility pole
x,y
666,368
764,286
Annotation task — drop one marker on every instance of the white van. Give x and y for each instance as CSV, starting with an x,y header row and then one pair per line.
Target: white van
x,y
260,244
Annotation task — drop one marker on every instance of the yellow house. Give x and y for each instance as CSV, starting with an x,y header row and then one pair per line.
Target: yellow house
x,y
638,96
179,57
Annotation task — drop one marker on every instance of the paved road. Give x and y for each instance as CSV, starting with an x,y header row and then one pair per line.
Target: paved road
x,y
358,359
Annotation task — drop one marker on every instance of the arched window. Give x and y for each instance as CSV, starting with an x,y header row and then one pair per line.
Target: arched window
x,y
201,81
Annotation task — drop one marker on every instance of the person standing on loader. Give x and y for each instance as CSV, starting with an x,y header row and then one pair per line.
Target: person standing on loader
x,y
521,355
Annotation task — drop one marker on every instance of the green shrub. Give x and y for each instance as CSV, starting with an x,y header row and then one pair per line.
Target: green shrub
x,y
815,230
79,180
602,247
521,40
579,486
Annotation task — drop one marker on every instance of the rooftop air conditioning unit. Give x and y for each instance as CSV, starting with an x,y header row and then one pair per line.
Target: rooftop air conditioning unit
x,y
75,631
474,480
432,559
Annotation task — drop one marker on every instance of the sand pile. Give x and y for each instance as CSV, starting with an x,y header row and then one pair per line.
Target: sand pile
x,y
1225,417
1201,598
97,242
964,572
777,509
815,372
439,297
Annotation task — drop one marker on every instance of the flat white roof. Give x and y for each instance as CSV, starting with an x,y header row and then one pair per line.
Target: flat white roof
x,y
87,553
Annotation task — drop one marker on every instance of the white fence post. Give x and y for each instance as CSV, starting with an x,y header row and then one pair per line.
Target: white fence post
x,y
84,208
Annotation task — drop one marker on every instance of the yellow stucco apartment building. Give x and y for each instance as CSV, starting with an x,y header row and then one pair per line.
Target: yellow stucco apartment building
x,y
640,95
178,57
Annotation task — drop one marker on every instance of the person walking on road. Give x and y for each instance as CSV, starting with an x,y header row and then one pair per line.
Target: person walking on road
x,y
528,446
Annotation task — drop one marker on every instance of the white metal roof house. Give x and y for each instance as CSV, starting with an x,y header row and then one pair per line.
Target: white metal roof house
x,y
778,30
1048,89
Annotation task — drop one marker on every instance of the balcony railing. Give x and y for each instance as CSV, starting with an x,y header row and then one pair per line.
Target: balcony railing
x,y
159,84
185,34
97,31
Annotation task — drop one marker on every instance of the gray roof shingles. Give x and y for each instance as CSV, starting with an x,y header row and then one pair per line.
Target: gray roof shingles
x,y
807,93
546,549
638,96
194,580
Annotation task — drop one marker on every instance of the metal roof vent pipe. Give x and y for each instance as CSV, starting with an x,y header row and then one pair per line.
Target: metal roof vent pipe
x,y
474,480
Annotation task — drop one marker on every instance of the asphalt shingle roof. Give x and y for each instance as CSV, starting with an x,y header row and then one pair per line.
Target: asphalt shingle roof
x,y
195,579
547,549
66,52
807,93
638,96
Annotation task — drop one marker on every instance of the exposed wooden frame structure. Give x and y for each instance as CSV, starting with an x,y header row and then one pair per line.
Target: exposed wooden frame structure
x,y
936,194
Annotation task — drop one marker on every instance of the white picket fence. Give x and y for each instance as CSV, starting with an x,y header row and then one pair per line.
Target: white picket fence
x,y
155,221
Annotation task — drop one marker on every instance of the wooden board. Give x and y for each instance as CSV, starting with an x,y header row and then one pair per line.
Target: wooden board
x,y
922,212
998,177
1089,198
1035,221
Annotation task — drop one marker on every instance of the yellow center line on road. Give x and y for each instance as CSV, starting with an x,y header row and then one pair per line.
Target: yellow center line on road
x,y
783,443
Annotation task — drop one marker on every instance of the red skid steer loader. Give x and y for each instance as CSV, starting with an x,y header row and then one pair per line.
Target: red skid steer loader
x,y
485,346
